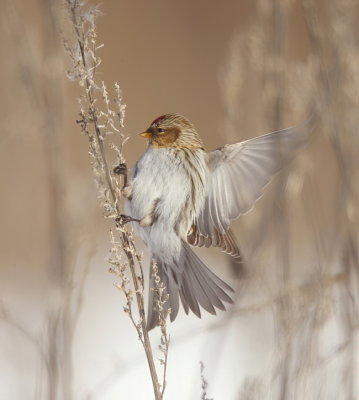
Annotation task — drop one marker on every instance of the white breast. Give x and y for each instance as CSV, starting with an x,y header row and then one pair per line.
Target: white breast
x,y
159,176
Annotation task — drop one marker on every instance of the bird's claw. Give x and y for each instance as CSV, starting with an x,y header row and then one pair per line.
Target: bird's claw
x,y
121,169
125,219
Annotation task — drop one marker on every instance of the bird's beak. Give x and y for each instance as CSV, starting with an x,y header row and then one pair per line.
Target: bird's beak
x,y
146,135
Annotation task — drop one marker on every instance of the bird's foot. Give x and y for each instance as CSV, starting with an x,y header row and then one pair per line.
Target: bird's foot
x,y
125,219
121,169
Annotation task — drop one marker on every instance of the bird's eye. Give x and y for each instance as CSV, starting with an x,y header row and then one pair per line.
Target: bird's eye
x,y
161,130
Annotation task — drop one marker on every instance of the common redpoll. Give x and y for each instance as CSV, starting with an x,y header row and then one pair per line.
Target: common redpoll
x,y
183,196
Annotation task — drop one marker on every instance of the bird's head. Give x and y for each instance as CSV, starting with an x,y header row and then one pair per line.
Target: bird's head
x,y
174,131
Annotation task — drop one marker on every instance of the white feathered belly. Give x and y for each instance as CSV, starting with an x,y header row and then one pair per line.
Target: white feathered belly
x,y
162,179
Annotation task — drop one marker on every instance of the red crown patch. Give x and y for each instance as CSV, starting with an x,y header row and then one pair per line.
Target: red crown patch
x,y
157,120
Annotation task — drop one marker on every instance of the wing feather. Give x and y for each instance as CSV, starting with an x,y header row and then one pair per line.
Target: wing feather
x,y
238,176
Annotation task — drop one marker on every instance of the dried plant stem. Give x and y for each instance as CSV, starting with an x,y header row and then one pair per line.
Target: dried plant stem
x,y
89,91
85,62
141,309
161,297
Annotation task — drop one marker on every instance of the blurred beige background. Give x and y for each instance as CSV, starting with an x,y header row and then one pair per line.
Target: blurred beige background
x,y
236,69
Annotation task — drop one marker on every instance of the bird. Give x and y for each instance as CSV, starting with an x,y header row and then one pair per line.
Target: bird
x,y
181,196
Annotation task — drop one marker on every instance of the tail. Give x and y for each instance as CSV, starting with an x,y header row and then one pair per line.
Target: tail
x,y
192,282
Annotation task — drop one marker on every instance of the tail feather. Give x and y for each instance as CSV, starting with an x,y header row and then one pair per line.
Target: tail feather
x,y
196,286
189,293
152,315
202,289
214,300
204,299
171,291
211,279
184,302
173,298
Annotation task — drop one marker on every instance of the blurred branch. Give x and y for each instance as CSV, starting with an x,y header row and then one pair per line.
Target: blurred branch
x,y
204,383
8,318
333,45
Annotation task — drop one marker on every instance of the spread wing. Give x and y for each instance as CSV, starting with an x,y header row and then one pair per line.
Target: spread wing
x,y
238,175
